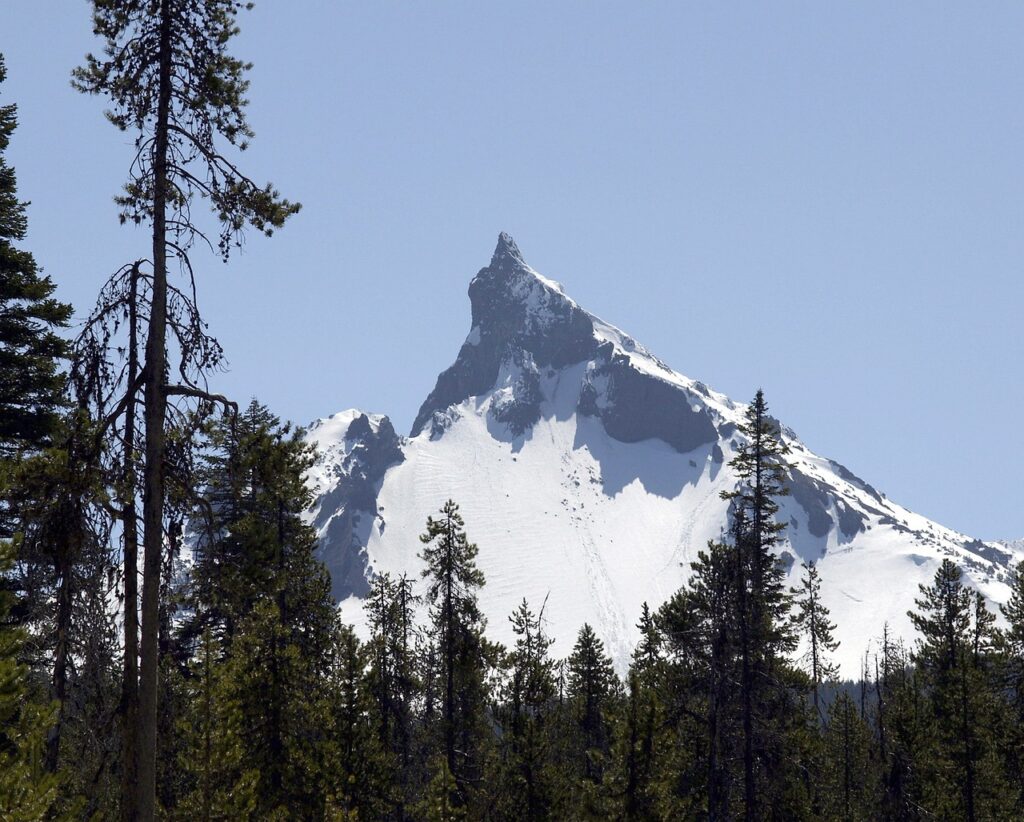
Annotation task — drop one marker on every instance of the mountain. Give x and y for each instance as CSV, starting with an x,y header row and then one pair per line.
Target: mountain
x,y
589,474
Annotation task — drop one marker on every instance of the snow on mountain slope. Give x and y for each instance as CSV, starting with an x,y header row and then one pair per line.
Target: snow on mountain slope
x,y
589,474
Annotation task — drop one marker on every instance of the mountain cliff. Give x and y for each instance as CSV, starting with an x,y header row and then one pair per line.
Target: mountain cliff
x,y
589,474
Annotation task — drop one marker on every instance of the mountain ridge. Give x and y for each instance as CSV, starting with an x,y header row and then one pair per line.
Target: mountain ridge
x,y
541,380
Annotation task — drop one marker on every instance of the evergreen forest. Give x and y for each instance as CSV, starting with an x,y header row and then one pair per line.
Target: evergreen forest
x,y
169,646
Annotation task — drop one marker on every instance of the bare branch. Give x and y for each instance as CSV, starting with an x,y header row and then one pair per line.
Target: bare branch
x,y
229,406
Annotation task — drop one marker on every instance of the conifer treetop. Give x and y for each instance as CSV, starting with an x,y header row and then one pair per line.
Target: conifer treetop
x,y
207,101
31,386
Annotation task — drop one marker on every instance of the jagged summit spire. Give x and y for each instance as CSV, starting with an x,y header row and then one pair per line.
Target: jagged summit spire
x,y
507,252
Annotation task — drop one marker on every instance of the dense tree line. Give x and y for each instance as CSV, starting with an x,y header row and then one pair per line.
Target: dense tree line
x,y
226,686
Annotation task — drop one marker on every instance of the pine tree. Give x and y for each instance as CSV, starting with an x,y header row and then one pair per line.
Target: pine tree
x,y
732,696
762,606
812,621
213,760
955,654
525,715
275,675
943,619
83,746
457,628
104,381
847,782
31,438
639,738
760,468
359,767
647,654
245,477
31,385
592,696
904,735
27,790
1012,681
277,656
436,804
701,637
169,76
63,570
393,680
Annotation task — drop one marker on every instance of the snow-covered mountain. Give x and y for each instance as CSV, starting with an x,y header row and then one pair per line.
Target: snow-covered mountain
x,y
589,473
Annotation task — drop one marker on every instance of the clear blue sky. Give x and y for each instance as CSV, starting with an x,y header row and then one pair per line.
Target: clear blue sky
x,y
823,199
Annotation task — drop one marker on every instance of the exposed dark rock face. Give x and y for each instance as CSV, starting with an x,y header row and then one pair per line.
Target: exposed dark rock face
x,y
638,406
525,324
817,498
514,313
349,508
851,521
519,408
814,499
854,480
990,552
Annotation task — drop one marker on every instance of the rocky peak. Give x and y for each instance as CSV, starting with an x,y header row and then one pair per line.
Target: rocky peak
x,y
354,451
525,328
512,300
517,316
506,254
568,393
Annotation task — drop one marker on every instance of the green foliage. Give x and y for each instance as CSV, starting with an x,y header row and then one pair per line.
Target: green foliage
x,y
31,386
251,541
848,782
27,791
276,678
168,74
221,782
204,97
451,566
461,653
393,680
437,804
956,657
812,621
761,468
730,691
768,691
525,778
279,712
65,575
590,703
592,692
359,770
1011,681
270,709
259,593
906,744
640,740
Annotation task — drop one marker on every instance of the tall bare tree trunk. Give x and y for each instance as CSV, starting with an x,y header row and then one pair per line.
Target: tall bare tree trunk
x,y
130,683
749,781
815,662
153,474
61,654
449,652
846,760
967,734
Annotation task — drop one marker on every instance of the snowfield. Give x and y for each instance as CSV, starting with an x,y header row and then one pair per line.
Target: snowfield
x,y
552,431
